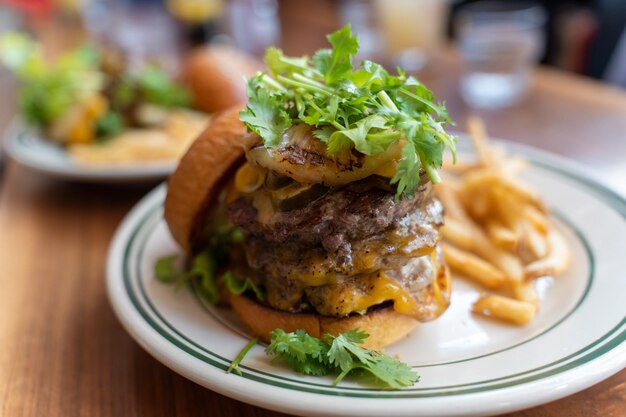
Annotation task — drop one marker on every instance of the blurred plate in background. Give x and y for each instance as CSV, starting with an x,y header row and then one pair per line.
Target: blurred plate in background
x,y
28,148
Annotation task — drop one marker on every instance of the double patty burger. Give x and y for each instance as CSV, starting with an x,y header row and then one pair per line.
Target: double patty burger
x,y
328,238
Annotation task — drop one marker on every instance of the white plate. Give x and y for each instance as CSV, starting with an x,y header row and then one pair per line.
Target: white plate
x,y
468,365
28,148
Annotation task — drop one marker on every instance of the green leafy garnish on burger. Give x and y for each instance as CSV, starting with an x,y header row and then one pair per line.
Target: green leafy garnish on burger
x,y
206,270
365,109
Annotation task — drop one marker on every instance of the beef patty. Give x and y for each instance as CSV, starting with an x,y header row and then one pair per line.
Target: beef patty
x,y
351,248
414,234
333,220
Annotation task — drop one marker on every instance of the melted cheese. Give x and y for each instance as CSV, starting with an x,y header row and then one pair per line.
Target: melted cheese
x,y
289,191
249,178
386,289
265,208
387,170
374,289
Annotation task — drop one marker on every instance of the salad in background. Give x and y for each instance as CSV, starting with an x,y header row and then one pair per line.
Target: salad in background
x,y
88,102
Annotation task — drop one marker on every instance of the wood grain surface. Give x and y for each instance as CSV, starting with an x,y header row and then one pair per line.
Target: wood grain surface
x,y
62,351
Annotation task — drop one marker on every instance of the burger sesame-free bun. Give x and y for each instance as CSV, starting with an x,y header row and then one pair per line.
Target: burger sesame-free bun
x,y
200,175
384,326
215,76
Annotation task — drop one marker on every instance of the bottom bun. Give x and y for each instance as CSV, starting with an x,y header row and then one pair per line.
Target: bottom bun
x,y
384,325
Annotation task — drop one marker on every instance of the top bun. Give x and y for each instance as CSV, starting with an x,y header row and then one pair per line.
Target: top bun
x,y
214,74
201,174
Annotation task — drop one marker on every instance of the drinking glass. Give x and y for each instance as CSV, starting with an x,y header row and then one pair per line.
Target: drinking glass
x,y
500,42
413,29
143,30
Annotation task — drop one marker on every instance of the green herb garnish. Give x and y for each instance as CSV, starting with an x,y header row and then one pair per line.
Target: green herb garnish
x,y
238,287
366,109
340,355
165,269
204,268
234,365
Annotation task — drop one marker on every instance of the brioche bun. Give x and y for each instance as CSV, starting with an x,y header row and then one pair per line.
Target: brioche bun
x,y
384,326
201,174
214,76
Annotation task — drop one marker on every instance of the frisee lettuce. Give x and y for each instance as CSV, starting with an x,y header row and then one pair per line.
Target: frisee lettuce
x,y
366,109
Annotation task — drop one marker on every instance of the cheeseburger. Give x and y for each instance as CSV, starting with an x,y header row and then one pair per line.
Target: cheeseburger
x,y
313,206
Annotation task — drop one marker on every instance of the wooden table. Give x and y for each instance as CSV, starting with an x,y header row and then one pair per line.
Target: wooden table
x,y
62,351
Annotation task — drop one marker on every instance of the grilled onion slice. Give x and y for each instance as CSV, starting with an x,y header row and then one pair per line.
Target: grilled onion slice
x,y
303,157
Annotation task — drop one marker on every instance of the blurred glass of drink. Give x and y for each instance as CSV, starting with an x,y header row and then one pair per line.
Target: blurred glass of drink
x,y
413,29
500,43
142,30
195,11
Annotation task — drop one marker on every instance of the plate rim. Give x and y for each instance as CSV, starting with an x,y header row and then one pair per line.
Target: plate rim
x,y
544,160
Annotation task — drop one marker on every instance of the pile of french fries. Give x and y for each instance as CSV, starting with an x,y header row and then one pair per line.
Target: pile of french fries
x,y
497,231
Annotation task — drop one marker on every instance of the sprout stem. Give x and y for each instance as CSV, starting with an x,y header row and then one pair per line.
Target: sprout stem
x,y
270,82
384,136
304,86
313,83
387,101
234,366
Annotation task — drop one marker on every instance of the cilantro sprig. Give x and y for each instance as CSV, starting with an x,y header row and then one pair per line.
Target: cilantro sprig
x,y
366,109
339,355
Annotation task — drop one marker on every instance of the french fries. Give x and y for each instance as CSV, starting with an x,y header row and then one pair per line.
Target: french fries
x,y
525,291
501,235
497,231
474,267
555,263
504,308
456,232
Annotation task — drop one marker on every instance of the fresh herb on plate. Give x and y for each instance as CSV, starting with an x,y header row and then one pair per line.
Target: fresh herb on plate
x,y
334,355
366,109
234,366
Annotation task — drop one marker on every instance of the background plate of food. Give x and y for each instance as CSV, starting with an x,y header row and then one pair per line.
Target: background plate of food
x,y
88,116
135,155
